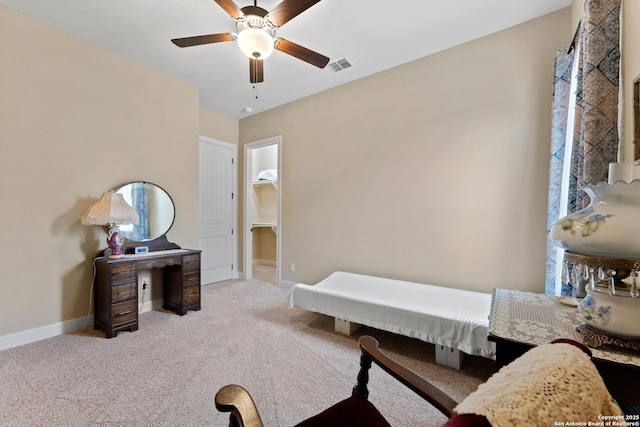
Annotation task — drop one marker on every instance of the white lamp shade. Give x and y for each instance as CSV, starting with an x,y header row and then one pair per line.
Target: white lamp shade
x,y
111,209
255,43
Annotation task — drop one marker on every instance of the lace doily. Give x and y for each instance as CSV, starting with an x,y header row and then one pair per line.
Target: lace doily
x,y
548,384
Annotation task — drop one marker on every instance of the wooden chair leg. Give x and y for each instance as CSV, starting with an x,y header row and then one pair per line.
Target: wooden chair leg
x,y
360,390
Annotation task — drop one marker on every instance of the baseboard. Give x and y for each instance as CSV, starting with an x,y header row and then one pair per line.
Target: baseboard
x,y
61,328
44,332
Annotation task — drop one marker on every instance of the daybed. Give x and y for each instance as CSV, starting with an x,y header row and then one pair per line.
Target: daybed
x,y
452,319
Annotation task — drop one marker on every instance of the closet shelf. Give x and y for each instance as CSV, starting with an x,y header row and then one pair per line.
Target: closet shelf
x,y
271,225
263,182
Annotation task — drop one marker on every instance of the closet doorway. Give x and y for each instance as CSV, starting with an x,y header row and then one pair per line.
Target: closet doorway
x,y
262,201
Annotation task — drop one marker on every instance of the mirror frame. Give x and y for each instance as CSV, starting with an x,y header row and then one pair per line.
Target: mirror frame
x,y
160,236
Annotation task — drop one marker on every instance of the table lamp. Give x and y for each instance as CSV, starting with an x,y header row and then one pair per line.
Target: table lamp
x,y
111,210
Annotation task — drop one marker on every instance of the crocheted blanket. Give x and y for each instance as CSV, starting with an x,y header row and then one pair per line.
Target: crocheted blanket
x,y
551,384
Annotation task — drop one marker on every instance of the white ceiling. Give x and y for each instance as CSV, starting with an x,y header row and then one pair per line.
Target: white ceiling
x,y
374,35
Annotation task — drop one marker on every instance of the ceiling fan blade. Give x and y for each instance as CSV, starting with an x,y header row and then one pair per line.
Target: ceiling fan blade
x,y
231,8
287,10
206,39
301,52
256,70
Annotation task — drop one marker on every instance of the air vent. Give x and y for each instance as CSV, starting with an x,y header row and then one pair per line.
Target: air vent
x,y
340,65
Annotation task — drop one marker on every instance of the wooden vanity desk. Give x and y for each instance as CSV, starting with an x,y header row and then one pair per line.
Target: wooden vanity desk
x,y
116,302
116,286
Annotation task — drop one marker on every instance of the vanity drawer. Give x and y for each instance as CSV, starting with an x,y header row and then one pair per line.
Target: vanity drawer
x,y
190,295
123,292
123,312
123,272
148,264
191,263
190,279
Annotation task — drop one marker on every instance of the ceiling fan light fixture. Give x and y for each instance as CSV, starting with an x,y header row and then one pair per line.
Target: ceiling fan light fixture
x,y
255,43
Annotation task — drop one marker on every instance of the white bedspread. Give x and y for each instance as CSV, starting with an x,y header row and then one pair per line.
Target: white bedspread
x,y
451,317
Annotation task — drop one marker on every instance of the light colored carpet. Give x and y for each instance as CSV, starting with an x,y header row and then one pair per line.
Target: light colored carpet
x,y
264,273
167,373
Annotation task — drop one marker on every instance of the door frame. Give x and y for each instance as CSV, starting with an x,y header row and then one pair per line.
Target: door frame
x,y
234,199
248,236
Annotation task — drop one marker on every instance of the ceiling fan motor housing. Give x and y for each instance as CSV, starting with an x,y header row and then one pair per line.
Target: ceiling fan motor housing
x,y
254,17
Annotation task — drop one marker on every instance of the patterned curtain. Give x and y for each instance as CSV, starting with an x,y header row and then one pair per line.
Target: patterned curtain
x,y
595,130
597,95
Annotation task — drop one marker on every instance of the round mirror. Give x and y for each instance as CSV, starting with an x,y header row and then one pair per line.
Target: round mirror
x,y
155,209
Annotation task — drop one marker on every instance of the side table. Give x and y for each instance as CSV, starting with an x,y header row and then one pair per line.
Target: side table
x,y
521,320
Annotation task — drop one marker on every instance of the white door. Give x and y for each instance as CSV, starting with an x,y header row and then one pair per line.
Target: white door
x,y
217,210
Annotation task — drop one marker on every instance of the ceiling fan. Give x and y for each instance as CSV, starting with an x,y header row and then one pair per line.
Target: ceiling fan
x,y
256,34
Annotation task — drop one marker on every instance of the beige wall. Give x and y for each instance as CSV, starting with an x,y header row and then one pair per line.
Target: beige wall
x,y
434,171
219,126
264,245
77,120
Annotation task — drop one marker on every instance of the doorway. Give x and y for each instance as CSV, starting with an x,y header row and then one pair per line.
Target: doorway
x,y
262,202
217,210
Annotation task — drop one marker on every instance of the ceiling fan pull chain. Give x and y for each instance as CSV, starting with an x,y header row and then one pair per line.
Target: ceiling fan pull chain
x,y
256,89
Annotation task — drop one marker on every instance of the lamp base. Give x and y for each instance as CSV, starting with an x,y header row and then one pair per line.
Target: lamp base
x,y
115,241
